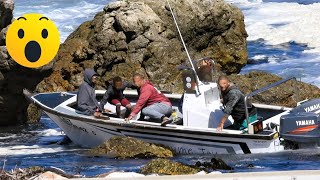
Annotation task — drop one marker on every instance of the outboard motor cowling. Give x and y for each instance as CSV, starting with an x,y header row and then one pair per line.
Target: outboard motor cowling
x,y
301,125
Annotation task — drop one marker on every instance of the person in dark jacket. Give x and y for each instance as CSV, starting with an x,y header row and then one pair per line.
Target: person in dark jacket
x,y
86,96
114,95
233,101
151,102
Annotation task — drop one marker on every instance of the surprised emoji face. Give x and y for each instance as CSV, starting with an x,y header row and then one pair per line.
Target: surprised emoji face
x,y
32,40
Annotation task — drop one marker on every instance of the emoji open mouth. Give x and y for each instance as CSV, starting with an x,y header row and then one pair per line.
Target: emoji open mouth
x,y
32,51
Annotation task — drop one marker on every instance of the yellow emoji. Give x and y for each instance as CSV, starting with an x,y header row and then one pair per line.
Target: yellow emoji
x,y
32,40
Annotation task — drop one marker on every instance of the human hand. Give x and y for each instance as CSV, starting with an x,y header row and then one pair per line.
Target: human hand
x,y
128,118
97,114
219,128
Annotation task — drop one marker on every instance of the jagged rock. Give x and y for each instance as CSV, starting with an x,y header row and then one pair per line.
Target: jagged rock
x,y
128,147
165,166
6,16
14,78
140,36
33,113
287,94
214,164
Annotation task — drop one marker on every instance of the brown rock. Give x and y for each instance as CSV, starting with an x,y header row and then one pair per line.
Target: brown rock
x,y
128,147
287,94
139,36
6,16
33,113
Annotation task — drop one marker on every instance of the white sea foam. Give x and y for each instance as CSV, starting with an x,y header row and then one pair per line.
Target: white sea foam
x,y
66,15
279,23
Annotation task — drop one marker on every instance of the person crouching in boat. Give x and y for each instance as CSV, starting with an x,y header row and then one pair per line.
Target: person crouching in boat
x,y
114,95
233,102
86,96
151,102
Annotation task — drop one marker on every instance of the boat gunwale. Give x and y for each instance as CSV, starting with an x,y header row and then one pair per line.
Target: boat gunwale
x,y
141,125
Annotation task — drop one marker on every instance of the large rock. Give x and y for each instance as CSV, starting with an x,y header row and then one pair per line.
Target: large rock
x,y
128,147
214,164
165,166
13,79
287,94
140,36
6,16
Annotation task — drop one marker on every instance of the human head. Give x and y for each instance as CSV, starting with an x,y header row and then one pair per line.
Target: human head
x,y
138,80
117,82
94,79
224,82
90,76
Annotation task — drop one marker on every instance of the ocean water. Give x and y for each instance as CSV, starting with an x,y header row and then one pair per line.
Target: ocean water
x,y
283,39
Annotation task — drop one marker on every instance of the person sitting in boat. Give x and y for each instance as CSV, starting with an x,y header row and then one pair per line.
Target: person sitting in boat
x,y
233,102
151,102
114,95
86,96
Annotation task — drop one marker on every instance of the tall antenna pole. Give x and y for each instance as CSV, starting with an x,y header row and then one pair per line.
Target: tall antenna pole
x,y
185,47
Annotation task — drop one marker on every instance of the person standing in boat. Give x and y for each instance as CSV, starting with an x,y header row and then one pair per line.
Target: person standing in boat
x,y
86,96
233,102
151,102
114,95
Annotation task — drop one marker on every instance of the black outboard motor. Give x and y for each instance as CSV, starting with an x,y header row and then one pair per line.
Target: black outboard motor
x,y
301,125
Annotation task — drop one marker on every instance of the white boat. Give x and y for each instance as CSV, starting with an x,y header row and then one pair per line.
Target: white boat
x,y
202,111
197,135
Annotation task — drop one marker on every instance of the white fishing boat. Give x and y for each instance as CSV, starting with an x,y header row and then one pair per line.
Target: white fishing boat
x,y
197,134
277,128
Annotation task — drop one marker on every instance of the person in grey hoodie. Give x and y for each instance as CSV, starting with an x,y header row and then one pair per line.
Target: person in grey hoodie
x,y
86,96
233,101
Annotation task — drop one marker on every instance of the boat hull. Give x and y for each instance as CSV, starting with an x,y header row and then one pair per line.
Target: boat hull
x,y
94,133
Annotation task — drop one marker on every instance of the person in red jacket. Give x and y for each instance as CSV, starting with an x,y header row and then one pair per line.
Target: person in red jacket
x,y
151,102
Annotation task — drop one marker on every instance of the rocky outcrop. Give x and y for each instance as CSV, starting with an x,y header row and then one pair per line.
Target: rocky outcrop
x,y
167,167
128,147
214,164
6,16
13,77
287,94
140,36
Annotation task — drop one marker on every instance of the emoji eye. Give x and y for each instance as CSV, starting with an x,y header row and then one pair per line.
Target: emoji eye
x,y
20,33
44,33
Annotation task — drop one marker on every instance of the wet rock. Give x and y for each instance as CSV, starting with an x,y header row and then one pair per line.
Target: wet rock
x,y
250,166
33,114
140,36
219,164
214,164
127,147
167,167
